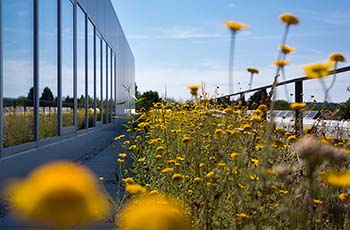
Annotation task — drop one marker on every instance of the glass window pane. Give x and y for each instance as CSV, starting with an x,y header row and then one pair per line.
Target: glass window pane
x,y
113,85
67,64
18,91
98,78
91,84
104,81
48,68
110,82
81,68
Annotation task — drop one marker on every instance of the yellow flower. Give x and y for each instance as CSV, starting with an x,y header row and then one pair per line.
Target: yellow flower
x,y
338,179
258,112
177,177
336,57
222,164
242,216
297,105
343,196
253,70
283,191
257,118
193,89
119,137
135,189
158,157
228,110
259,194
210,174
141,160
218,132
317,201
59,194
255,162
186,139
167,170
280,130
287,49
129,180
142,125
122,155
292,138
120,161
263,107
160,149
197,180
289,19
235,26
259,147
154,192
317,70
126,142
180,158
246,128
281,63
171,162
201,165
234,155
254,178
152,212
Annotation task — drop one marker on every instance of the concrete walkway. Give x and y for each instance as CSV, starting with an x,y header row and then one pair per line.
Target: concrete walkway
x,y
102,161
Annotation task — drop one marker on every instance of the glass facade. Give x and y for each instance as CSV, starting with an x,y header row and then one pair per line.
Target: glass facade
x,y
91,75
98,78
48,93
59,69
67,59
18,77
104,82
81,68
110,85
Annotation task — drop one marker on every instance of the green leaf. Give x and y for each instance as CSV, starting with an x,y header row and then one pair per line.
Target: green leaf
x,y
138,101
126,126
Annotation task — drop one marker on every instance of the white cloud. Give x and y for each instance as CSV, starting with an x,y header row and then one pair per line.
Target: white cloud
x,y
176,32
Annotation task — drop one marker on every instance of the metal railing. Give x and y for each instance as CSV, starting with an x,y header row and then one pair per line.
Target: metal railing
x,y
298,95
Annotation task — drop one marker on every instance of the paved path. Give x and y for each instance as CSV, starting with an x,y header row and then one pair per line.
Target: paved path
x,y
102,162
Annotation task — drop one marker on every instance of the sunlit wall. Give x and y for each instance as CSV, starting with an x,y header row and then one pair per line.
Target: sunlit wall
x,y
64,65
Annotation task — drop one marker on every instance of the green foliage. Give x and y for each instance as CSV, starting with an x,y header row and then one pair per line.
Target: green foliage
x,y
344,110
257,98
282,105
330,106
47,95
147,99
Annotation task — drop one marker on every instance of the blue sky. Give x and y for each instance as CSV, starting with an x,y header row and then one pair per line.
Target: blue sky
x,y
183,42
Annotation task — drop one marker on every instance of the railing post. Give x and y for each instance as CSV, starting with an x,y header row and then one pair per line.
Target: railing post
x,y
298,113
